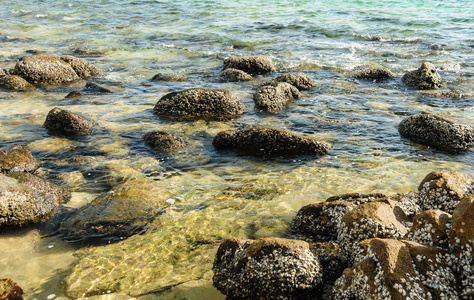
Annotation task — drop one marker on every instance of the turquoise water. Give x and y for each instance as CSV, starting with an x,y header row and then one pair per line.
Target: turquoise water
x,y
134,40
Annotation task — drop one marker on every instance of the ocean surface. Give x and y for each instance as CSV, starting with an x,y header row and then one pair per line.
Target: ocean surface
x,y
220,194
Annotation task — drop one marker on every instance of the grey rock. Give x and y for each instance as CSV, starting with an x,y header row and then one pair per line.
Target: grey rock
x,y
424,78
235,75
259,64
45,69
65,122
275,97
17,159
371,71
164,141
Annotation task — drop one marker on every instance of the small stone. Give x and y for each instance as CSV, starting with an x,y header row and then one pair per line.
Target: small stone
x,y
65,122
169,77
164,141
260,64
275,97
424,78
371,71
235,75
17,159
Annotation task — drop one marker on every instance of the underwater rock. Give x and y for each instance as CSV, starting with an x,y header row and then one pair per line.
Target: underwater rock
x,y
268,268
232,74
164,141
97,87
424,78
83,69
17,159
274,98
299,80
371,71
45,69
9,290
270,142
65,122
444,94
252,65
200,103
430,227
14,82
169,77
26,198
438,132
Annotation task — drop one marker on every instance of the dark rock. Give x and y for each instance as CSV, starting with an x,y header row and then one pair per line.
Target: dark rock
x,y
263,141
65,122
444,94
97,87
9,290
437,132
299,80
252,65
200,103
275,97
17,159
44,69
26,198
169,77
235,75
73,95
269,268
164,141
430,227
444,189
14,82
332,266
424,78
371,71
83,69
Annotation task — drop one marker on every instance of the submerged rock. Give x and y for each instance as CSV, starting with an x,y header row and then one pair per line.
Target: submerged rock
x,y
200,103
263,141
45,69
169,77
370,71
268,268
164,141
14,82
438,132
275,97
83,69
259,64
444,94
424,78
232,74
65,122
17,159
9,290
299,80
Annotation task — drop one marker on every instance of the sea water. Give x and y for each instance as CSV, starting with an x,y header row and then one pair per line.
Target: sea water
x,y
218,195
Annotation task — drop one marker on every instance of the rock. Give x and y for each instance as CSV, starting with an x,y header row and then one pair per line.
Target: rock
x,y
26,198
263,141
164,141
83,69
65,122
17,159
73,95
252,65
438,132
45,69
97,87
443,190
2,72
115,215
199,103
9,290
430,227
274,98
371,71
424,78
14,82
235,75
444,94
169,77
268,268
299,80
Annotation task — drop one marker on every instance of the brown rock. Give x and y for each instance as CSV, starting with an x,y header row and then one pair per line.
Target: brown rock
x,y
275,97
235,75
9,290
83,69
14,82
260,64
44,69
424,78
65,122
169,77
430,227
17,159
164,141
370,71
299,80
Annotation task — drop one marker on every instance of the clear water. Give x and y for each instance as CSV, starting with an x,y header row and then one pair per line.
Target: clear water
x,y
134,40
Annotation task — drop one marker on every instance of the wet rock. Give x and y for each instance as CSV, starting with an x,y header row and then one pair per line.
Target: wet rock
x,y
275,97
424,78
332,266
9,290
97,87
65,122
268,268
26,198
45,69
116,215
169,77
200,103
444,94
252,65
235,75
73,95
444,189
2,72
299,80
371,71
438,132
430,227
83,68
164,141
14,82
17,159
269,142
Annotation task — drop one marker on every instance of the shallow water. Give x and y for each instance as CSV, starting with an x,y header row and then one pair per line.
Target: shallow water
x,y
220,194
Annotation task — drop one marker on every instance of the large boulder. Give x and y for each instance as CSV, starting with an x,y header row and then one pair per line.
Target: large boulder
x,y
259,64
65,122
17,159
164,141
14,82
275,97
299,80
371,71
269,142
438,132
45,69
424,78
200,103
83,69
268,268
235,75
26,198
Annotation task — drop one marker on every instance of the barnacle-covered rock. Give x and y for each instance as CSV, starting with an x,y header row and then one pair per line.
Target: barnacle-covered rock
x,y
45,69
259,64
232,74
268,268
169,77
275,97
430,227
14,82
83,68
424,78
17,159
299,80
65,122
370,71
164,141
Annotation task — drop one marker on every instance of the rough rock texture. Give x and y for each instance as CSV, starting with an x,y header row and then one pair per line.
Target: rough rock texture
x,y
164,141
235,75
430,227
371,71
83,69
65,122
299,80
268,268
117,214
45,69
424,78
26,198
259,64
444,189
438,132
94,86
275,97
169,77
199,103
269,142
17,159
444,94
9,290
14,82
